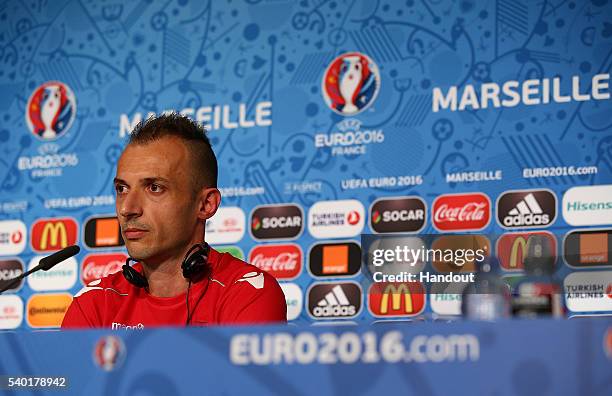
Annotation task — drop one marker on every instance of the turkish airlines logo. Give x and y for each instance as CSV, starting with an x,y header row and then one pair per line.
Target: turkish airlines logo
x,y
228,225
97,266
12,237
512,249
334,300
398,215
53,234
526,209
588,248
461,212
335,259
9,270
589,291
103,232
277,222
280,261
396,299
336,219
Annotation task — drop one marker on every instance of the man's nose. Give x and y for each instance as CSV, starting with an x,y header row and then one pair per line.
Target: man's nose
x,y
129,204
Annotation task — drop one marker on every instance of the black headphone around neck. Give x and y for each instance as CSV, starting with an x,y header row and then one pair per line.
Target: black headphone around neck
x,y
194,263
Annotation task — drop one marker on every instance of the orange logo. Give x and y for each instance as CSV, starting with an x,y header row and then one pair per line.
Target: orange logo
x,y
53,234
47,310
335,259
107,232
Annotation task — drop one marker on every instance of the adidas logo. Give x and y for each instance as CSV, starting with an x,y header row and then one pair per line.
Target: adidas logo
x,y
335,303
527,212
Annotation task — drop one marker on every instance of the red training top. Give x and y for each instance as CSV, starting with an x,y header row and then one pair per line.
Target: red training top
x,y
237,293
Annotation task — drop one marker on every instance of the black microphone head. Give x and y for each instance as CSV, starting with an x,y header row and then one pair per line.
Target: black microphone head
x,y
50,261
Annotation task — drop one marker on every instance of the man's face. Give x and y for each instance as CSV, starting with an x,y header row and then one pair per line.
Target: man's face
x,y
156,204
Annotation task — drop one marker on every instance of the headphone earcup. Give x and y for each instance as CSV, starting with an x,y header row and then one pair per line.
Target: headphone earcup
x,y
134,277
196,262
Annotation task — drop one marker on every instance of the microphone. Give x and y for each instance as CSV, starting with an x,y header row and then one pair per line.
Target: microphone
x,y
45,264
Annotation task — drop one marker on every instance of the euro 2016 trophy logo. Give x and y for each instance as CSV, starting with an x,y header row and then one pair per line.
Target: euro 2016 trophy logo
x,y
351,83
51,110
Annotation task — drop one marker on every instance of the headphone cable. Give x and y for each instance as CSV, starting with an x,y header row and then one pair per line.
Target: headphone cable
x,y
189,313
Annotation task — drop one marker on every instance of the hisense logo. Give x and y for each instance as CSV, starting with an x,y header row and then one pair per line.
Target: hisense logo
x,y
584,206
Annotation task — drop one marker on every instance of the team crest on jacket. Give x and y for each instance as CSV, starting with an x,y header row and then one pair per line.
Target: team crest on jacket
x,y
351,83
51,110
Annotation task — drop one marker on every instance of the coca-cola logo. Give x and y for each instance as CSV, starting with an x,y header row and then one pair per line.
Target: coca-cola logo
x,y
280,261
97,266
461,212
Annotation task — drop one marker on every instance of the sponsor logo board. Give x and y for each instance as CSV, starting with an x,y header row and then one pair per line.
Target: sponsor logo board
x,y
226,226
406,215
277,222
461,212
334,300
526,209
281,261
336,219
588,205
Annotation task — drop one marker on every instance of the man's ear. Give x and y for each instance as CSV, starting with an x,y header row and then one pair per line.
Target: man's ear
x,y
209,200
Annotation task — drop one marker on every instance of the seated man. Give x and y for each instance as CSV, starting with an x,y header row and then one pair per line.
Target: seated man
x,y
166,190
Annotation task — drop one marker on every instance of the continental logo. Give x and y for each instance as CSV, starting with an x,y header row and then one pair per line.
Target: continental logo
x,y
53,234
396,299
277,222
512,248
588,248
398,215
102,232
47,310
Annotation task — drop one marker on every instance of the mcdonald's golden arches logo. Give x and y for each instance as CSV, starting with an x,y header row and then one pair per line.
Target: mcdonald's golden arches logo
x,y
53,234
396,299
512,248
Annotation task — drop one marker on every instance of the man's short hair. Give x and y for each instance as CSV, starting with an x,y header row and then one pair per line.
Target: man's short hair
x,y
204,161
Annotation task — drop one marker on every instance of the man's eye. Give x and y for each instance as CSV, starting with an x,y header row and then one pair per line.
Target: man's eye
x,y
156,188
119,189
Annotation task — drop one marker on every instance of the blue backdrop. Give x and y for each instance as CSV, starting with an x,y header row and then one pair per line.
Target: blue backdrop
x,y
306,101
